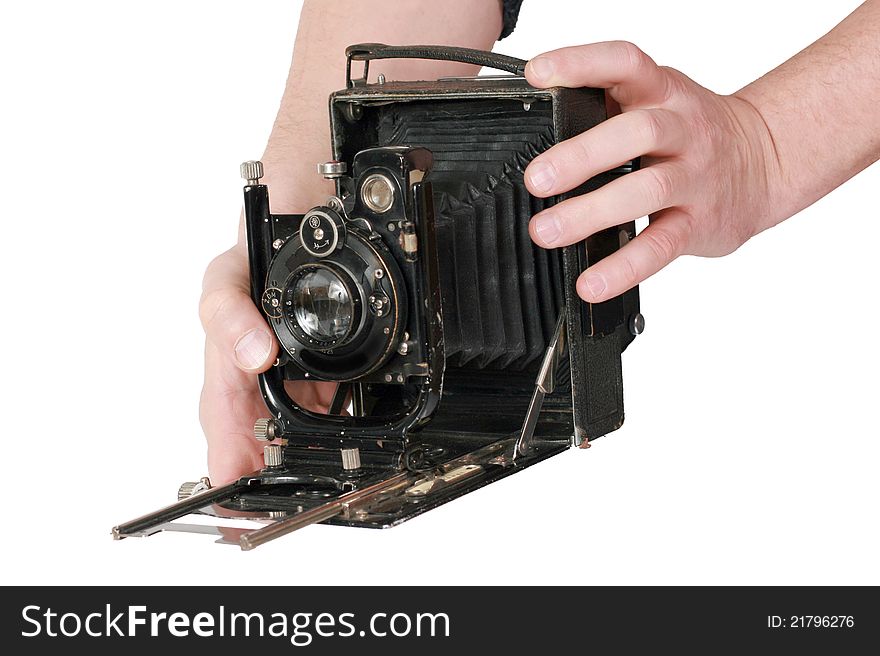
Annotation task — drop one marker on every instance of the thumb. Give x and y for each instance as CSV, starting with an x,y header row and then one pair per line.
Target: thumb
x,y
231,320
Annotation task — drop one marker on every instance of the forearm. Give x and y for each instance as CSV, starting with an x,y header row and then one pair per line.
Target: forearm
x,y
821,109
300,137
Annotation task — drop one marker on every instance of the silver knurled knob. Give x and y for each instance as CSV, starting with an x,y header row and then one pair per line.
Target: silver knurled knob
x,y
193,487
252,171
272,455
264,430
351,459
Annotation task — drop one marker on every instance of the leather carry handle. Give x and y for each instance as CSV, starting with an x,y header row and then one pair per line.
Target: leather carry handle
x,y
367,52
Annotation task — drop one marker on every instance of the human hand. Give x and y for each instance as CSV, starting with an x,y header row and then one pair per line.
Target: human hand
x,y
238,345
709,166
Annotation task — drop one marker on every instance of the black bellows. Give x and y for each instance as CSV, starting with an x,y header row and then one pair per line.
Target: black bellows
x,y
501,294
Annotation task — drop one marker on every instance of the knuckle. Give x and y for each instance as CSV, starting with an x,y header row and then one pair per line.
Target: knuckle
x,y
583,149
658,187
631,57
704,130
663,243
629,272
649,127
232,260
214,304
571,215
214,266
673,83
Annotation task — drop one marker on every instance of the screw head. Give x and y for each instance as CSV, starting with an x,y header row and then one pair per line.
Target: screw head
x,y
637,324
278,243
378,305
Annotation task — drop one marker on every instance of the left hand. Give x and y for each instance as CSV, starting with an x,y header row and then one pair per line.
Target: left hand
x,y
709,166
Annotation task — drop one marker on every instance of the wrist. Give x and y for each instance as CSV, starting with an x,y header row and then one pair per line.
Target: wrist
x,y
295,186
299,140
772,197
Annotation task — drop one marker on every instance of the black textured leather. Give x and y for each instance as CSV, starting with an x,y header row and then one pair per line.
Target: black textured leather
x,y
367,52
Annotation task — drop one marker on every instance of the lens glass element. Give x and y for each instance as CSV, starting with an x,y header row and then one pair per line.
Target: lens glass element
x,y
322,306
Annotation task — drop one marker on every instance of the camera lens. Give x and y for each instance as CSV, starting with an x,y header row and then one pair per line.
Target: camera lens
x,y
322,305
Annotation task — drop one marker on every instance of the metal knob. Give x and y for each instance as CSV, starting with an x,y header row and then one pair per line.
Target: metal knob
x,y
637,324
193,487
265,430
332,169
272,455
252,171
351,459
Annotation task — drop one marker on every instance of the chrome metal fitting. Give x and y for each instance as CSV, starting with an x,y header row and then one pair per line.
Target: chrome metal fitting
x,y
351,459
252,171
272,455
265,430
193,487
332,169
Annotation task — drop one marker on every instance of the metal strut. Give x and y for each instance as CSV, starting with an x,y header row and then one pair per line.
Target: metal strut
x,y
544,385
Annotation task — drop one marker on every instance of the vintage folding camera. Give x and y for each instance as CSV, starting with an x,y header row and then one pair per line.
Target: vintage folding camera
x,y
461,350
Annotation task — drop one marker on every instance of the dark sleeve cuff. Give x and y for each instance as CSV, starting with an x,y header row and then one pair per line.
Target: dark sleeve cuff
x,y
510,12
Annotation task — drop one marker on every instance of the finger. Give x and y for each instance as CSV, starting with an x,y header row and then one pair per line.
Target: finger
x,y
631,77
231,320
610,144
230,404
311,394
662,241
629,197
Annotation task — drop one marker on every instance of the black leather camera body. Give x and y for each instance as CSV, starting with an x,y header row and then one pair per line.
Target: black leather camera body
x,y
461,350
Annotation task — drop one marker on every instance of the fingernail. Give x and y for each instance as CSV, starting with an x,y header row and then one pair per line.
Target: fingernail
x,y
595,284
252,349
548,228
542,175
541,68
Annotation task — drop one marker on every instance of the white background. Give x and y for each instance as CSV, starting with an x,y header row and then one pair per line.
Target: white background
x,y
750,450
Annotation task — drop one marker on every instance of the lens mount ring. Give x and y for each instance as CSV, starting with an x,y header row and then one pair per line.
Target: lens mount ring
x,y
352,349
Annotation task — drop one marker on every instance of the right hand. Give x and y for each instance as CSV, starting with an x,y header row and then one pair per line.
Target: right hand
x,y
239,345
